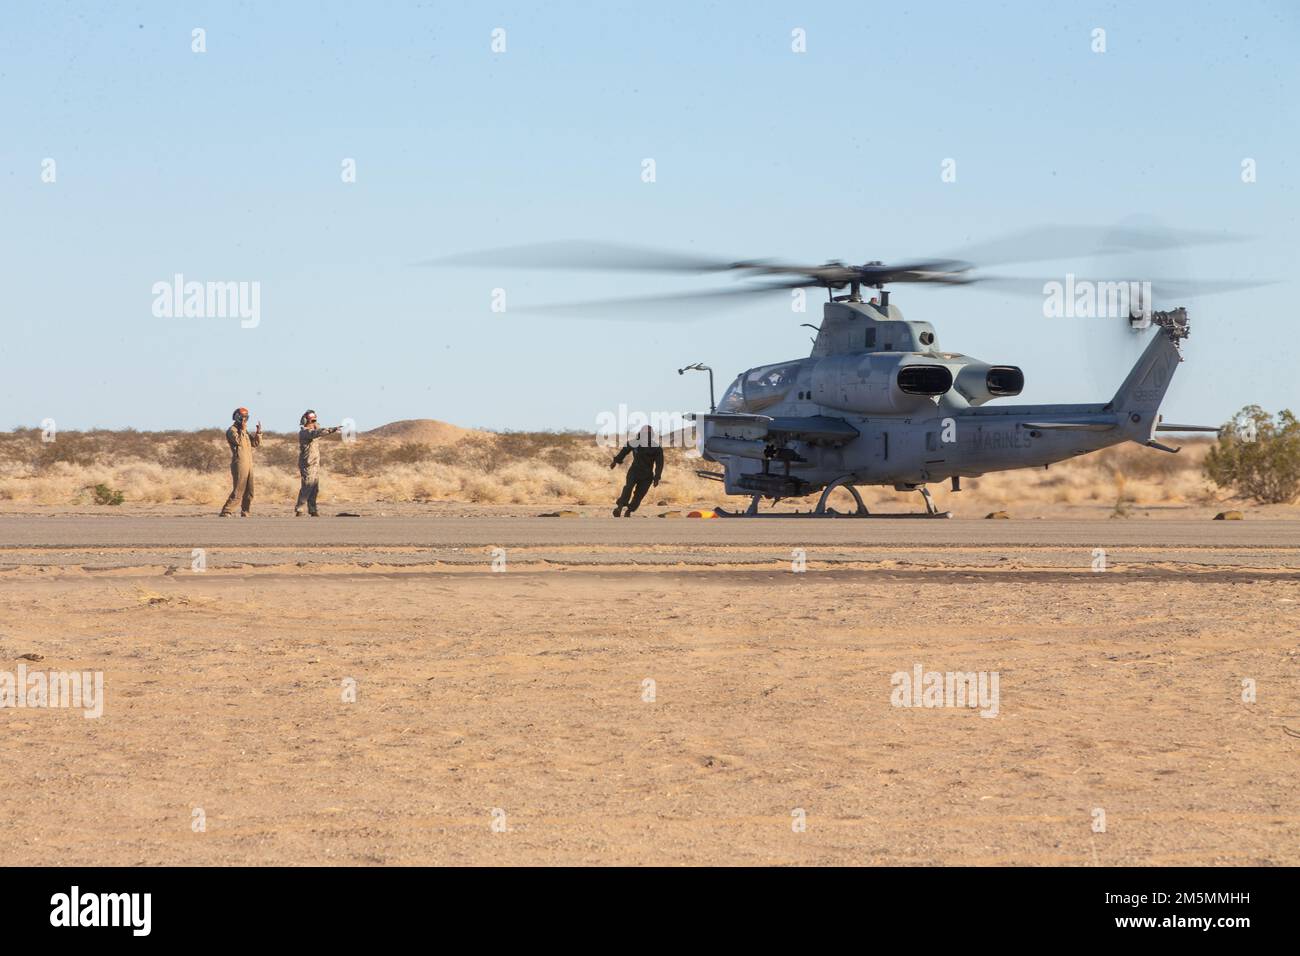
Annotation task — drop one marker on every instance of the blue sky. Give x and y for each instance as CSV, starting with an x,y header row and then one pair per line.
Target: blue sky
x,y
225,165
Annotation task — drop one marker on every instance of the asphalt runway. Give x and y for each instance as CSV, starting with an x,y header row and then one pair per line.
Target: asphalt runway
x,y
109,542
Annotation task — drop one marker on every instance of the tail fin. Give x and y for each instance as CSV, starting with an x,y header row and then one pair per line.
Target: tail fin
x,y
1145,387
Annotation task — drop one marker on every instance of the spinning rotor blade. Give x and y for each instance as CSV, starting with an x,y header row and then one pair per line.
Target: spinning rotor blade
x,y
1163,291
581,255
1069,242
615,257
1035,245
674,307
837,275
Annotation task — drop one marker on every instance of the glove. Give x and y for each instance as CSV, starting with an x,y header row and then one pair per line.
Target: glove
x,y
613,465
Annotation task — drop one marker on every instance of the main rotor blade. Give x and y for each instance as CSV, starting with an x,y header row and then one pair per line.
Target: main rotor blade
x,y
616,257
1048,243
674,307
836,275
1162,290
582,255
1034,245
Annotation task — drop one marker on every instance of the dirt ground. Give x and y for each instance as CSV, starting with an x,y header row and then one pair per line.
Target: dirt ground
x,y
506,717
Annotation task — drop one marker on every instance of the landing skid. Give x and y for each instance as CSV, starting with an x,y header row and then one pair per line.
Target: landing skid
x,y
821,511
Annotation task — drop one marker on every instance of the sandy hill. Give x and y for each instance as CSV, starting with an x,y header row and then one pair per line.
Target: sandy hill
x,y
428,431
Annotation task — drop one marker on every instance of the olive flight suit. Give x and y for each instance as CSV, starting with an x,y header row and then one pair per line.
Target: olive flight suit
x,y
309,466
242,442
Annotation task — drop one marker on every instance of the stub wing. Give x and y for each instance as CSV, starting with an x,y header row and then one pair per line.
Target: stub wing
x,y
812,428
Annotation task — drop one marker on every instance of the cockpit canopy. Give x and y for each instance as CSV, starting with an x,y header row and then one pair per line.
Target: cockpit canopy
x,y
760,388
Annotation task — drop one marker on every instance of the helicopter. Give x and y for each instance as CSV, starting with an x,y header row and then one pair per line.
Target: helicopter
x,y
877,401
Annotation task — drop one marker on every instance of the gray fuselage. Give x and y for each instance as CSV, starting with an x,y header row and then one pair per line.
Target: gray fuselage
x,y
877,402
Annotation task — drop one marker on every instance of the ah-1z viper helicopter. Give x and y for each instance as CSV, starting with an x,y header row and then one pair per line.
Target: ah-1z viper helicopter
x,y
877,401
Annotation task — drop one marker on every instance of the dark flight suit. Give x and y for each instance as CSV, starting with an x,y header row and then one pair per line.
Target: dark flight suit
x,y
242,442
647,467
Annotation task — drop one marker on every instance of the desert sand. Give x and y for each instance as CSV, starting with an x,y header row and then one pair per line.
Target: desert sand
x,y
505,717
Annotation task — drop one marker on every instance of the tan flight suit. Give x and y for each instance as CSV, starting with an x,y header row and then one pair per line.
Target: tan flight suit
x,y
242,442
309,466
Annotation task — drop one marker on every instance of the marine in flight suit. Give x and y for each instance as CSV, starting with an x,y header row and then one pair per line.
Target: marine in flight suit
x,y
241,463
645,471
309,436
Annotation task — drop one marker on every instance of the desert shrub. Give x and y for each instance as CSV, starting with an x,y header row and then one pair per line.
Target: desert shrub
x,y
105,495
487,454
121,445
1258,456
198,451
477,453
371,458
277,451
19,445
72,448
408,453
360,458
554,448
1136,461
99,446
568,448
